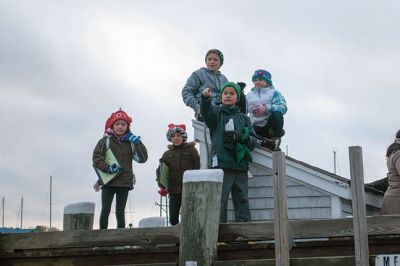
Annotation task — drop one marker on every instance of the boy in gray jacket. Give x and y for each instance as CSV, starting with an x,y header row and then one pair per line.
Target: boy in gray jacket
x,y
205,77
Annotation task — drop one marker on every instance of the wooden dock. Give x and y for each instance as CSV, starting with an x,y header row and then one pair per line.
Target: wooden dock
x,y
307,242
329,241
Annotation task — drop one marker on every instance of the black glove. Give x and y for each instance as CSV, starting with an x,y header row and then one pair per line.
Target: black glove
x,y
233,137
242,85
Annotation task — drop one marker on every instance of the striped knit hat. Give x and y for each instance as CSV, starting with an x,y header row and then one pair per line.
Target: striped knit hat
x,y
172,129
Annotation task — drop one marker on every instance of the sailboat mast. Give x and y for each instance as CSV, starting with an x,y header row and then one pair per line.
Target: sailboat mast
x,y
2,208
51,181
22,209
334,162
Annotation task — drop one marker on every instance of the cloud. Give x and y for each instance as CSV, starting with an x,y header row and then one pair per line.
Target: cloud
x,y
65,66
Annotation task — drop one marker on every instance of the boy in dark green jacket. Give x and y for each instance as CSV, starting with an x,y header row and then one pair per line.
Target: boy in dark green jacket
x,y
231,144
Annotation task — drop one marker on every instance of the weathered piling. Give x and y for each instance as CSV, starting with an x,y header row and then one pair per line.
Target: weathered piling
x,y
201,204
358,204
78,216
280,210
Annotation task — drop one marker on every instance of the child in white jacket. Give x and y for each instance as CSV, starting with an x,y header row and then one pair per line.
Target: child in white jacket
x,y
266,106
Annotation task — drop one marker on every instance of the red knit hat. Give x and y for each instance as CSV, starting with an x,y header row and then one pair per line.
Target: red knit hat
x,y
172,129
118,115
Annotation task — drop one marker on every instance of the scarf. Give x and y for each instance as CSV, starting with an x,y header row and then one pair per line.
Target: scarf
x,y
242,152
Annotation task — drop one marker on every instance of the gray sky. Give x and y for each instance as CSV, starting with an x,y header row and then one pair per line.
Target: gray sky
x,y
66,65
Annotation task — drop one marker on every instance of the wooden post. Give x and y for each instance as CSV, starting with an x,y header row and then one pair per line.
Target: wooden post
x,y
358,204
280,210
78,216
201,204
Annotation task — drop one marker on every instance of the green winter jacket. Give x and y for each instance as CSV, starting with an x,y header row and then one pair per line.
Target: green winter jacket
x,y
124,152
215,118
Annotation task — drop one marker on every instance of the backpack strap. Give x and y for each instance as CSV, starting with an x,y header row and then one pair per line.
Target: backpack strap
x,y
107,143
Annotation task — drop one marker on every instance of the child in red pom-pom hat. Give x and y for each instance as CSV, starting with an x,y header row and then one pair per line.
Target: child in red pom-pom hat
x,y
125,146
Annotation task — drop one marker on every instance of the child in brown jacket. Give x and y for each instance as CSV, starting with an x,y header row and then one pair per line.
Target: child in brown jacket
x,y
126,147
179,157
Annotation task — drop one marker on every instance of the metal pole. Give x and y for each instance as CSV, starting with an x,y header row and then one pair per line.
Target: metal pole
x,y
22,209
161,206
2,207
334,162
166,209
51,181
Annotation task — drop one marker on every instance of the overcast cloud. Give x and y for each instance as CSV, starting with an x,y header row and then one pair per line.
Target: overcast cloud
x,y
66,65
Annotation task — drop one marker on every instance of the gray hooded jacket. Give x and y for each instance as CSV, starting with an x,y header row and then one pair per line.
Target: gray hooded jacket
x,y
197,82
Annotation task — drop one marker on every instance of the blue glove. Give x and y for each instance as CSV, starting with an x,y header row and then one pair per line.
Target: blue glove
x,y
132,138
114,169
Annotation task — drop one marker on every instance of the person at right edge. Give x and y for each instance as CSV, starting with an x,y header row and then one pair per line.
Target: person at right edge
x,y
391,199
266,107
231,146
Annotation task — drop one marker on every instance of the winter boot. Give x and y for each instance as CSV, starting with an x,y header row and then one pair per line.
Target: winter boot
x,y
271,144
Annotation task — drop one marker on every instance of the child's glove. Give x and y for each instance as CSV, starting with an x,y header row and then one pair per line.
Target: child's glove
x,y
132,138
259,110
162,191
97,186
232,136
113,169
242,85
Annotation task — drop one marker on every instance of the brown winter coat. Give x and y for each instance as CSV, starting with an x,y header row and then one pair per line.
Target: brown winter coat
x,y
391,200
124,152
179,159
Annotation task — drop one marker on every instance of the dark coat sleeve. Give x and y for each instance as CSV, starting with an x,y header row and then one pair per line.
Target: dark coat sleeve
x,y
98,156
195,159
140,152
158,173
207,111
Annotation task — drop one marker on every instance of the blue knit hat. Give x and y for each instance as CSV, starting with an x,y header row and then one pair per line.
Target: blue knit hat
x,y
262,74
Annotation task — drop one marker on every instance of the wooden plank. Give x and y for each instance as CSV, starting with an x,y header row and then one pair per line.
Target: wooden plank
x,y
92,238
281,225
387,245
377,225
358,204
303,229
326,261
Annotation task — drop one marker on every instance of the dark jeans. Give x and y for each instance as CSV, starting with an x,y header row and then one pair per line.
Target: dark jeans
x,y
274,124
235,182
107,195
175,201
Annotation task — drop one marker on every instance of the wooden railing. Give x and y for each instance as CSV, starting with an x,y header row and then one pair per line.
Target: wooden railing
x,y
330,241
383,230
